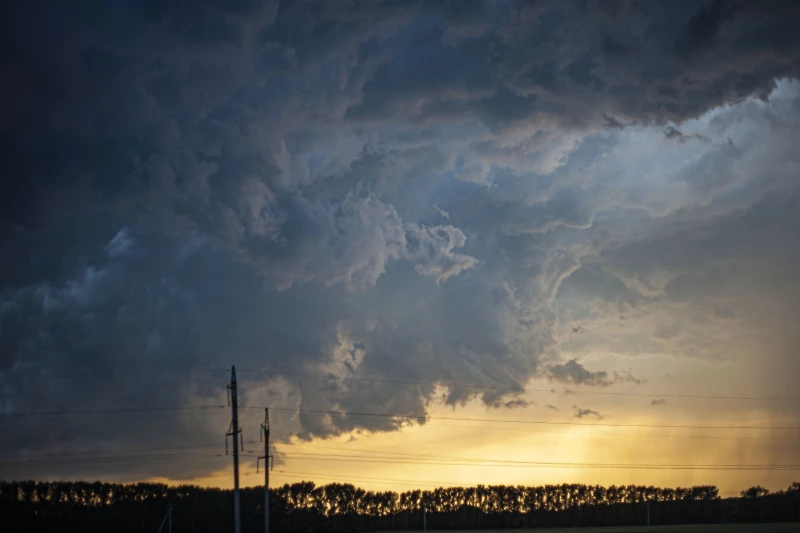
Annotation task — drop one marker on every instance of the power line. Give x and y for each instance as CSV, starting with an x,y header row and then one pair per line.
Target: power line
x,y
107,411
113,452
525,389
353,416
416,459
110,459
119,418
396,415
545,422
581,466
411,459
616,435
113,373
482,460
452,385
592,434
470,460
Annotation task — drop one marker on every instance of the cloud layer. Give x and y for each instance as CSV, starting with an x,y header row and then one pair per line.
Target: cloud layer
x,y
432,191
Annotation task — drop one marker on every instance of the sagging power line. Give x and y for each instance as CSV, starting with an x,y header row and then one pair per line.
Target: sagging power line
x,y
376,457
384,381
107,411
425,417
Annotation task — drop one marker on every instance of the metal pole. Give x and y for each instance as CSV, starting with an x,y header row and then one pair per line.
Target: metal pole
x,y
169,527
648,516
237,525
266,469
425,520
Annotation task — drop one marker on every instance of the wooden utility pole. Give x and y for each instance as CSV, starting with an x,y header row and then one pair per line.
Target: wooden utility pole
x,y
267,466
235,432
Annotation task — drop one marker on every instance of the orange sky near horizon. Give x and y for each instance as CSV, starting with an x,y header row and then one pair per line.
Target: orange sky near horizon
x,y
517,438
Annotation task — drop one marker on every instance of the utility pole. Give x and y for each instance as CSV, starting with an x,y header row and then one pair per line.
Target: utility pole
x,y
236,433
267,467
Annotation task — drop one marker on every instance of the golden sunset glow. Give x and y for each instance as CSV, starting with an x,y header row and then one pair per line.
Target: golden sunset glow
x,y
542,255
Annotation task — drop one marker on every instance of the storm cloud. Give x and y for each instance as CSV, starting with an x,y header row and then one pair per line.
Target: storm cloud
x,y
435,192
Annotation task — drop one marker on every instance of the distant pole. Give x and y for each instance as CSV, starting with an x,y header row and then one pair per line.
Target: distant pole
x,y
648,516
235,432
265,429
425,520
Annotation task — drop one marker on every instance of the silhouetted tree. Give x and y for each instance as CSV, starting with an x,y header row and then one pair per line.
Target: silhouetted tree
x,y
755,492
100,507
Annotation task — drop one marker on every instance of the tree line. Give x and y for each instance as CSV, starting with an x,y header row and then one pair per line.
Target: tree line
x,y
305,507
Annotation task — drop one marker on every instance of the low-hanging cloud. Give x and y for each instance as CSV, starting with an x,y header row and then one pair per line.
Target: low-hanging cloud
x,y
574,373
397,190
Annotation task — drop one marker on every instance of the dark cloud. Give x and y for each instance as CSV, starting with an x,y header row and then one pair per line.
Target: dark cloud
x,y
704,25
632,64
365,190
573,372
673,133
584,413
513,403
658,401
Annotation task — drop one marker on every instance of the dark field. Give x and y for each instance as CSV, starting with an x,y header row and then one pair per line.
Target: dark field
x,y
729,528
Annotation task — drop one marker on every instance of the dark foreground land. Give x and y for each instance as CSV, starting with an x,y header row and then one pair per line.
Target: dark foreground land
x,y
703,528
83,507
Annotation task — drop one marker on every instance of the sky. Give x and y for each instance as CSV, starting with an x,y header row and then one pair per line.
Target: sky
x,y
574,223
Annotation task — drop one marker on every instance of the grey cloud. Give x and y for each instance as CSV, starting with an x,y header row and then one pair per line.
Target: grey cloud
x,y
583,413
667,330
519,78
442,212
573,372
724,313
121,244
434,248
514,403
673,133
356,240
701,29
192,187
658,401
718,254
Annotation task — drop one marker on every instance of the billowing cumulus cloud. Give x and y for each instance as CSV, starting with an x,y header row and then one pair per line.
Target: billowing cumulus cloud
x,y
427,191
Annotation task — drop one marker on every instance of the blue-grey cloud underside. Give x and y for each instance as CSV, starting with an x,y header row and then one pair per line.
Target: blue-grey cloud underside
x,y
427,191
